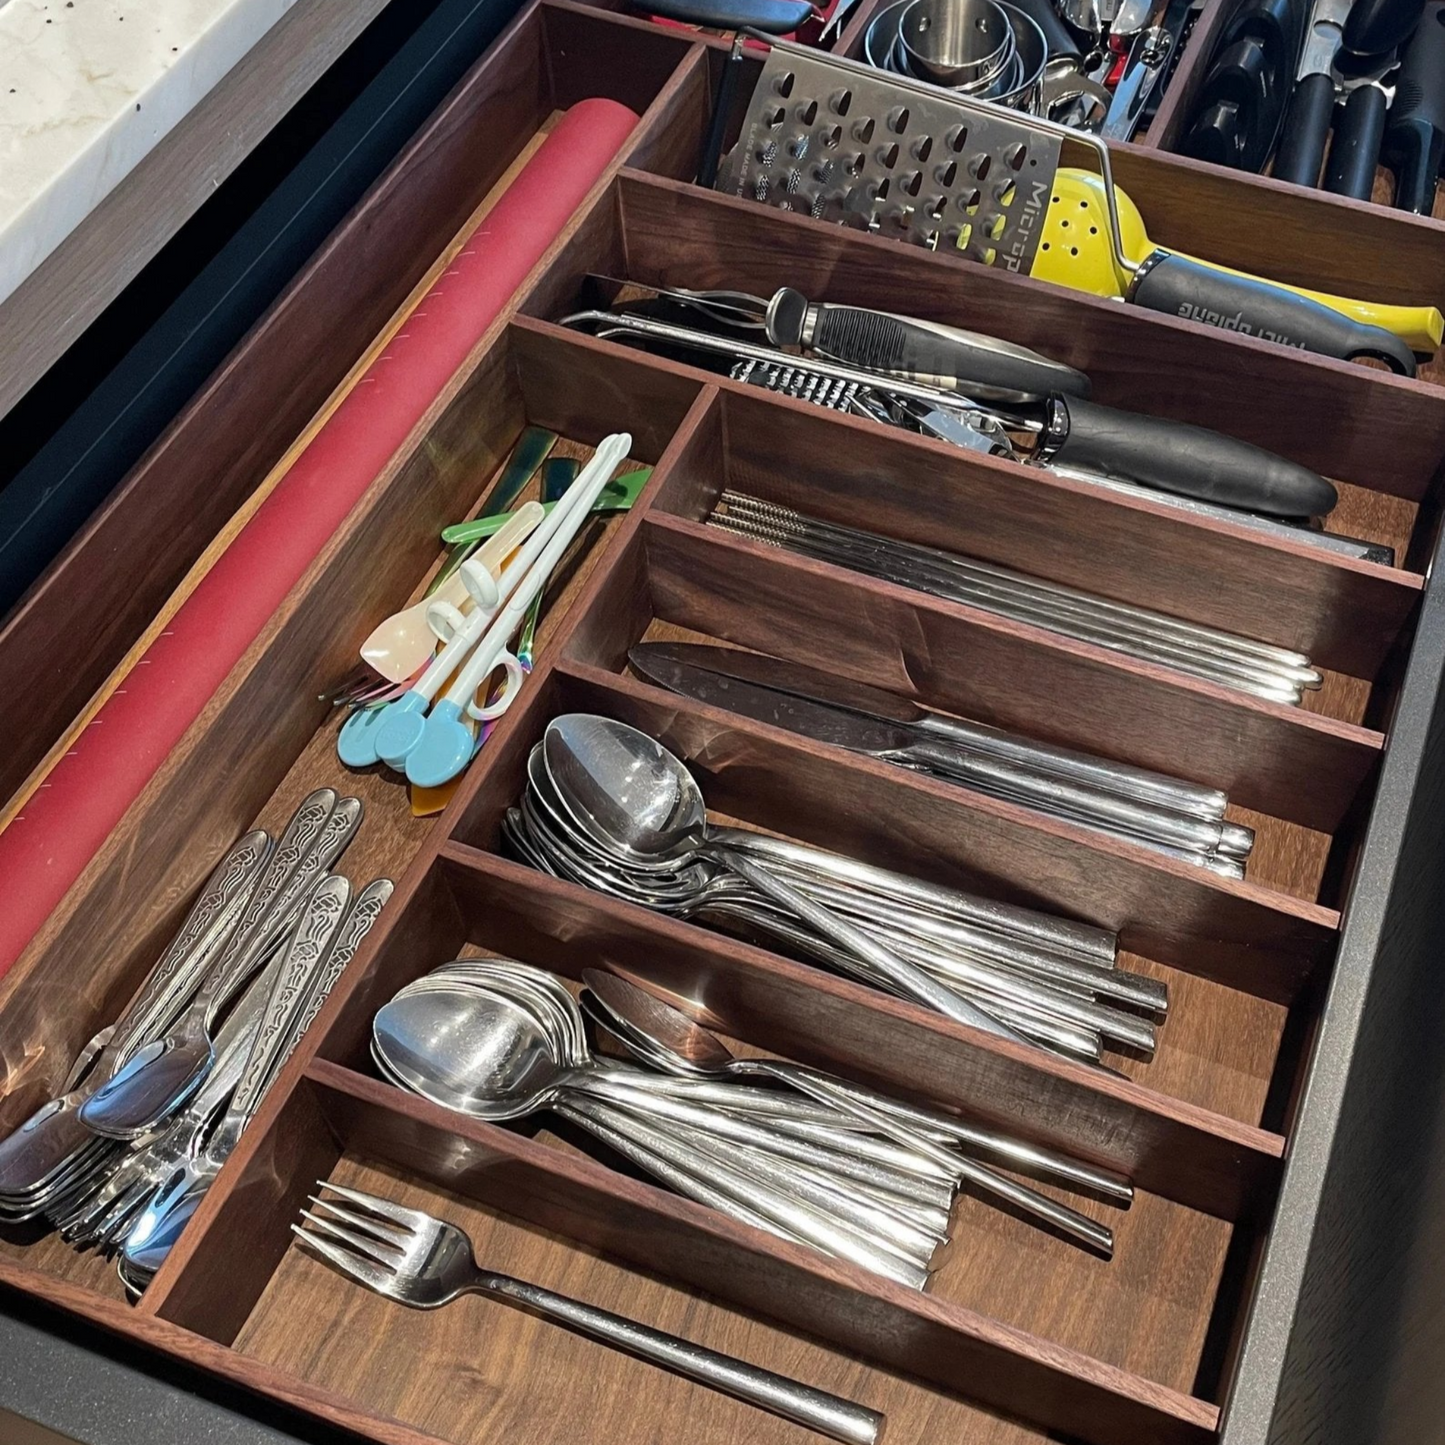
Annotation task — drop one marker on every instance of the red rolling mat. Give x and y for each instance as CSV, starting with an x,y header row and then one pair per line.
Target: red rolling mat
x,y
63,825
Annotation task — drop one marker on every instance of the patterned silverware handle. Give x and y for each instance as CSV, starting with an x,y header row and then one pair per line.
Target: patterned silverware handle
x,y
180,967
310,941
335,835
364,913
356,925
295,843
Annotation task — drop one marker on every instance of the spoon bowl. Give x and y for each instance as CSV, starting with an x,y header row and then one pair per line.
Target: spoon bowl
x,y
469,1050
624,789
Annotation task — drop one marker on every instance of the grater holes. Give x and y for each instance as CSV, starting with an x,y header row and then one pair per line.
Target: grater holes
x,y
946,174
841,102
957,138
863,130
808,112
912,183
1014,157
980,166
922,148
783,86
888,156
775,117
831,136
898,119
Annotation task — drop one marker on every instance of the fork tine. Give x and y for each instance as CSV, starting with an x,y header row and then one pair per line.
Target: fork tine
x,y
374,1249
399,1238
351,1265
410,1218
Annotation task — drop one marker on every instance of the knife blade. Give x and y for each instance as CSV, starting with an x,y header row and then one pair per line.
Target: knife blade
x,y
680,667
1194,840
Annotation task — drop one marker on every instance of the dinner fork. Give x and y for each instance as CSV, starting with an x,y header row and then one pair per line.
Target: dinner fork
x,y
425,1263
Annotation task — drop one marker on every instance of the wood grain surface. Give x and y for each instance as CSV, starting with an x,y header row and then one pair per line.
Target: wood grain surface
x,y
1022,1334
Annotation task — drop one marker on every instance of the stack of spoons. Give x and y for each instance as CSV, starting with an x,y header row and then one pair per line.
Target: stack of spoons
x,y
611,809
839,1168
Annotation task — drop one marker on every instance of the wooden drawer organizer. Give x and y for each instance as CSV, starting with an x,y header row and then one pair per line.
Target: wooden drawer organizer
x,y
1022,1337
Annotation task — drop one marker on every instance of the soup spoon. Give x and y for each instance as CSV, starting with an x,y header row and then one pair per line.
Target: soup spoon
x,y
687,1047
638,802
487,1056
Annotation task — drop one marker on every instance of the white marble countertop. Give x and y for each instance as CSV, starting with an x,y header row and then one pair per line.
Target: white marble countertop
x,y
87,89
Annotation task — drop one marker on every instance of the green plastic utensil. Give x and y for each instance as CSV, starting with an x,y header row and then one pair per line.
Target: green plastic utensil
x,y
618,496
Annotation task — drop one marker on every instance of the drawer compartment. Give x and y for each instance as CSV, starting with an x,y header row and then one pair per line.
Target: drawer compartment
x,y
1022,1336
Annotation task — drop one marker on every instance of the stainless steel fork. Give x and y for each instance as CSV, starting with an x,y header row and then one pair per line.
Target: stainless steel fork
x,y
424,1262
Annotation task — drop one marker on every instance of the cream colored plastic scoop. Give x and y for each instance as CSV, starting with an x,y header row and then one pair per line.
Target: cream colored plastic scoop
x,y
405,641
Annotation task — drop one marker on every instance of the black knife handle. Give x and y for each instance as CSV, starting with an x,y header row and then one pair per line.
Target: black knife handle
x,y
1355,149
933,355
776,17
1177,457
1306,128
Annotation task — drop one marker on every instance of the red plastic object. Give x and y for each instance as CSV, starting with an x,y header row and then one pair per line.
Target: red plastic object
x,y
64,824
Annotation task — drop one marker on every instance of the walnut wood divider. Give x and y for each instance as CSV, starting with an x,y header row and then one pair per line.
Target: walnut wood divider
x,y
1023,1334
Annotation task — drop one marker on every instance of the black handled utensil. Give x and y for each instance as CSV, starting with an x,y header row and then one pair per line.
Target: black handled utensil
x,y
1177,457
1414,144
922,351
1355,147
1306,131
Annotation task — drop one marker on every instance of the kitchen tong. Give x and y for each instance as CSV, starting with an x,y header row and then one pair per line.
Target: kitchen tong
x,y
964,387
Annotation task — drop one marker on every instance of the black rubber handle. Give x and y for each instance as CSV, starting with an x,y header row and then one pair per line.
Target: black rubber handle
x,y
1355,149
880,341
1176,457
1198,292
1306,128
776,17
1415,135
1376,27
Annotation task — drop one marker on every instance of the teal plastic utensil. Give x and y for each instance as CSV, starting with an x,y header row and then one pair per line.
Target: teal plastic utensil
x,y
367,736
446,744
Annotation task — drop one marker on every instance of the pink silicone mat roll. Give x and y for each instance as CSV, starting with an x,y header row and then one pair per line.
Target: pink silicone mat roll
x,y
61,828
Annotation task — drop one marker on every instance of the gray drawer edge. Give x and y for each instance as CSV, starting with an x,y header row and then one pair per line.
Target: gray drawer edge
x,y
1344,1344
